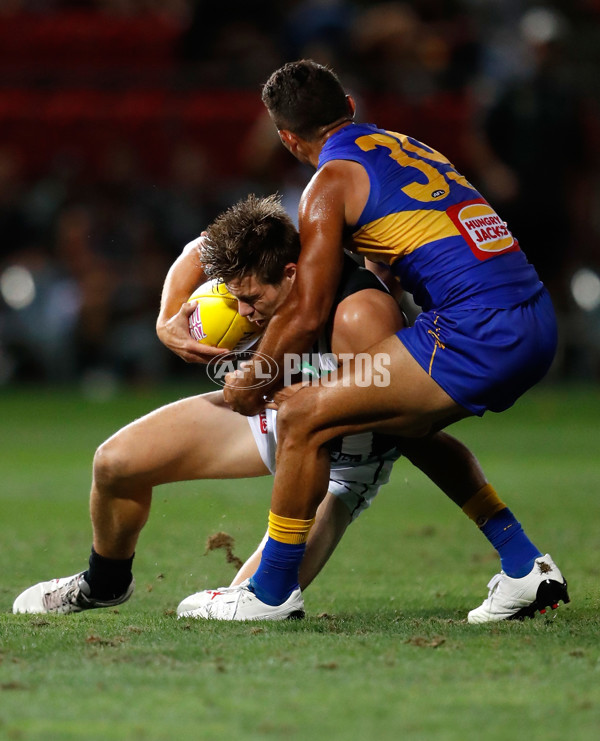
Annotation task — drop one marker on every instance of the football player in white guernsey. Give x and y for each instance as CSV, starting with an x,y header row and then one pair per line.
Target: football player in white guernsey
x,y
253,247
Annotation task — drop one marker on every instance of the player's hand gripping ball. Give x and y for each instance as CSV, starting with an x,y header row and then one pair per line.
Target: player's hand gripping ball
x,y
216,321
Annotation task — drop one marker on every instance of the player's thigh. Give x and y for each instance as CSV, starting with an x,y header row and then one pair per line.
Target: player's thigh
x,y
388,392
197,437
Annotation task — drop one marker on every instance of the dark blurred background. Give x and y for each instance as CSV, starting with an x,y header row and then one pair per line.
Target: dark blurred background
x,y
127,125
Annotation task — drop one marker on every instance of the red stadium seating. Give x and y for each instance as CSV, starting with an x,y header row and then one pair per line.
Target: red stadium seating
x,y
78,83
84,123
77,42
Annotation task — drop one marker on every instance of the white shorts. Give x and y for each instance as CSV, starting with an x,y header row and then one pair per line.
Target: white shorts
x,y
355,476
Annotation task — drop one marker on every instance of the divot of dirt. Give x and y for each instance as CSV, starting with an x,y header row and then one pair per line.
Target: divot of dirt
x,y
225,541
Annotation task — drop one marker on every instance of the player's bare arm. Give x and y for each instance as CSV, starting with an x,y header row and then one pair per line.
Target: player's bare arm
x,y
172,326
328,202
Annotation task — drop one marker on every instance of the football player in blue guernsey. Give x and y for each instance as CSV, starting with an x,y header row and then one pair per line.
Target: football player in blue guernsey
x,y
486,334
254,247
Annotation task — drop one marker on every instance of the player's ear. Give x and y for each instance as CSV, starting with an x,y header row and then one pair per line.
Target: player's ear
x,y
289,271
288,139
351,105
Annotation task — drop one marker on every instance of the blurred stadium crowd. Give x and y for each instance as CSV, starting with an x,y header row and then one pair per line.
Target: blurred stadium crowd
x,y
127,125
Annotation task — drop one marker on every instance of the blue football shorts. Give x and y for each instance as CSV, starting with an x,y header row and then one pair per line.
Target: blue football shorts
x,y
485,358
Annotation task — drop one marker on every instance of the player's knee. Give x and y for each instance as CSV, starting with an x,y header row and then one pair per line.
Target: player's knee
x,y
110,464
295,420
302,421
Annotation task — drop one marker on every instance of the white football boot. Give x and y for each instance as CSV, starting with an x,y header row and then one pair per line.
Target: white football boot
x,y
515,599
198,600
239,603
63,596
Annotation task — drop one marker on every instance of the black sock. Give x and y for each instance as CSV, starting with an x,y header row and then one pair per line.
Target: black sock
x,y
108,578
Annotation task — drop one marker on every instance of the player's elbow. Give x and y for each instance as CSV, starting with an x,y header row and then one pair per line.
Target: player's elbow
x,y
161,327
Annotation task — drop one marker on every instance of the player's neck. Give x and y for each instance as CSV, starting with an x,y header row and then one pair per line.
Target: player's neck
x,y
325,133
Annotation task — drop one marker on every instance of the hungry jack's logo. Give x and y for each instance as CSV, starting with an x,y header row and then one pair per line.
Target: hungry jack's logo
x,y
484,231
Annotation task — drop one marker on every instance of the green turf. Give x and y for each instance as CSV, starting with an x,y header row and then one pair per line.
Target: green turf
x,y
385,652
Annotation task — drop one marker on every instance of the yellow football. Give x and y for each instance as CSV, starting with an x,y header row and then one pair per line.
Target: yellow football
x,y
216,321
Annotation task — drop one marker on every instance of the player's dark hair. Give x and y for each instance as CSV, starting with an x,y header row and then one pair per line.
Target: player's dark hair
x,y
255,236
304,96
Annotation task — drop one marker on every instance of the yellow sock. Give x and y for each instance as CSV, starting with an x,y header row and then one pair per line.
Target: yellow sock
x,y
289,530
482,505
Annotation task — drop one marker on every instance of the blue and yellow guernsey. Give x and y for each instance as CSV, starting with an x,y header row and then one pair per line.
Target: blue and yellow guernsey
x,y
439,235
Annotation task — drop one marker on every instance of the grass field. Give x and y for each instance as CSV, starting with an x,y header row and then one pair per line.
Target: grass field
x,y
385,651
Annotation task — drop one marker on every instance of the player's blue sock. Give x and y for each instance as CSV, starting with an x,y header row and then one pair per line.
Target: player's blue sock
x,y
517,553
277,574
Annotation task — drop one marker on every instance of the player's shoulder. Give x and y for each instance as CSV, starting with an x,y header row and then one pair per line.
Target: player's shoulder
x,y
334,174
368,305
365,312
364,319
340,186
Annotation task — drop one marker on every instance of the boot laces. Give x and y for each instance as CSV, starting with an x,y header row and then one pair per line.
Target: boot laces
x,y
65,595
493,583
